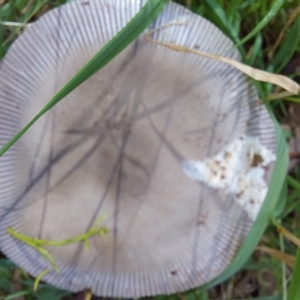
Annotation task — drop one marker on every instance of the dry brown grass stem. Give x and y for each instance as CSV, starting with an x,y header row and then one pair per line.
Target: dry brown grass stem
x,y
280,80
288,235
291,19
288,259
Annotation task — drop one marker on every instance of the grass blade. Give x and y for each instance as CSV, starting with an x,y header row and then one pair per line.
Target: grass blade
x,y
28,15
291,19
275,186
256,52
294,291
275,297
288,47
217,14
127,35
272,12
17,295
282,256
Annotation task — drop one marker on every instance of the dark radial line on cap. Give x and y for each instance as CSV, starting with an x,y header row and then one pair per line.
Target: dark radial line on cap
x,y
194,254
98,209
38,148
168,145
55,160
52,123
126,135
48,175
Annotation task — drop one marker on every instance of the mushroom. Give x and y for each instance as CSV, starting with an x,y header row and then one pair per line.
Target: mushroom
x,y
171,151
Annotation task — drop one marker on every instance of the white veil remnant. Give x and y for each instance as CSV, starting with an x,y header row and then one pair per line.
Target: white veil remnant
x,y
172,151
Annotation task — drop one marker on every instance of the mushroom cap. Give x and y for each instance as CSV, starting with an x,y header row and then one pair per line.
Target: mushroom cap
x,y
116,148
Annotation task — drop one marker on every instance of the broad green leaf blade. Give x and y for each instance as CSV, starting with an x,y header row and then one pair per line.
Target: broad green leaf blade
x,y
294,290
275,187
271,13
122,39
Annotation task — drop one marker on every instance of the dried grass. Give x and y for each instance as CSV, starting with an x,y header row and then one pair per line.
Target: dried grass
x,y
280,80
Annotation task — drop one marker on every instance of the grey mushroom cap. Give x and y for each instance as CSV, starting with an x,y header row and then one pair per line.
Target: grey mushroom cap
x,y
114,148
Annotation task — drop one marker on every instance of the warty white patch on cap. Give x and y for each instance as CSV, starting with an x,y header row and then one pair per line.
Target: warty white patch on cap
x,y
239,168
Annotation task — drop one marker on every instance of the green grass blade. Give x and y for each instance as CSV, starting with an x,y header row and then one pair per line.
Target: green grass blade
x,y
293,99
288,47
271,13
233,9
256,53
275,187
127,35
294,290
17,295
33,10
217,14
281,204
293,183
275,297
